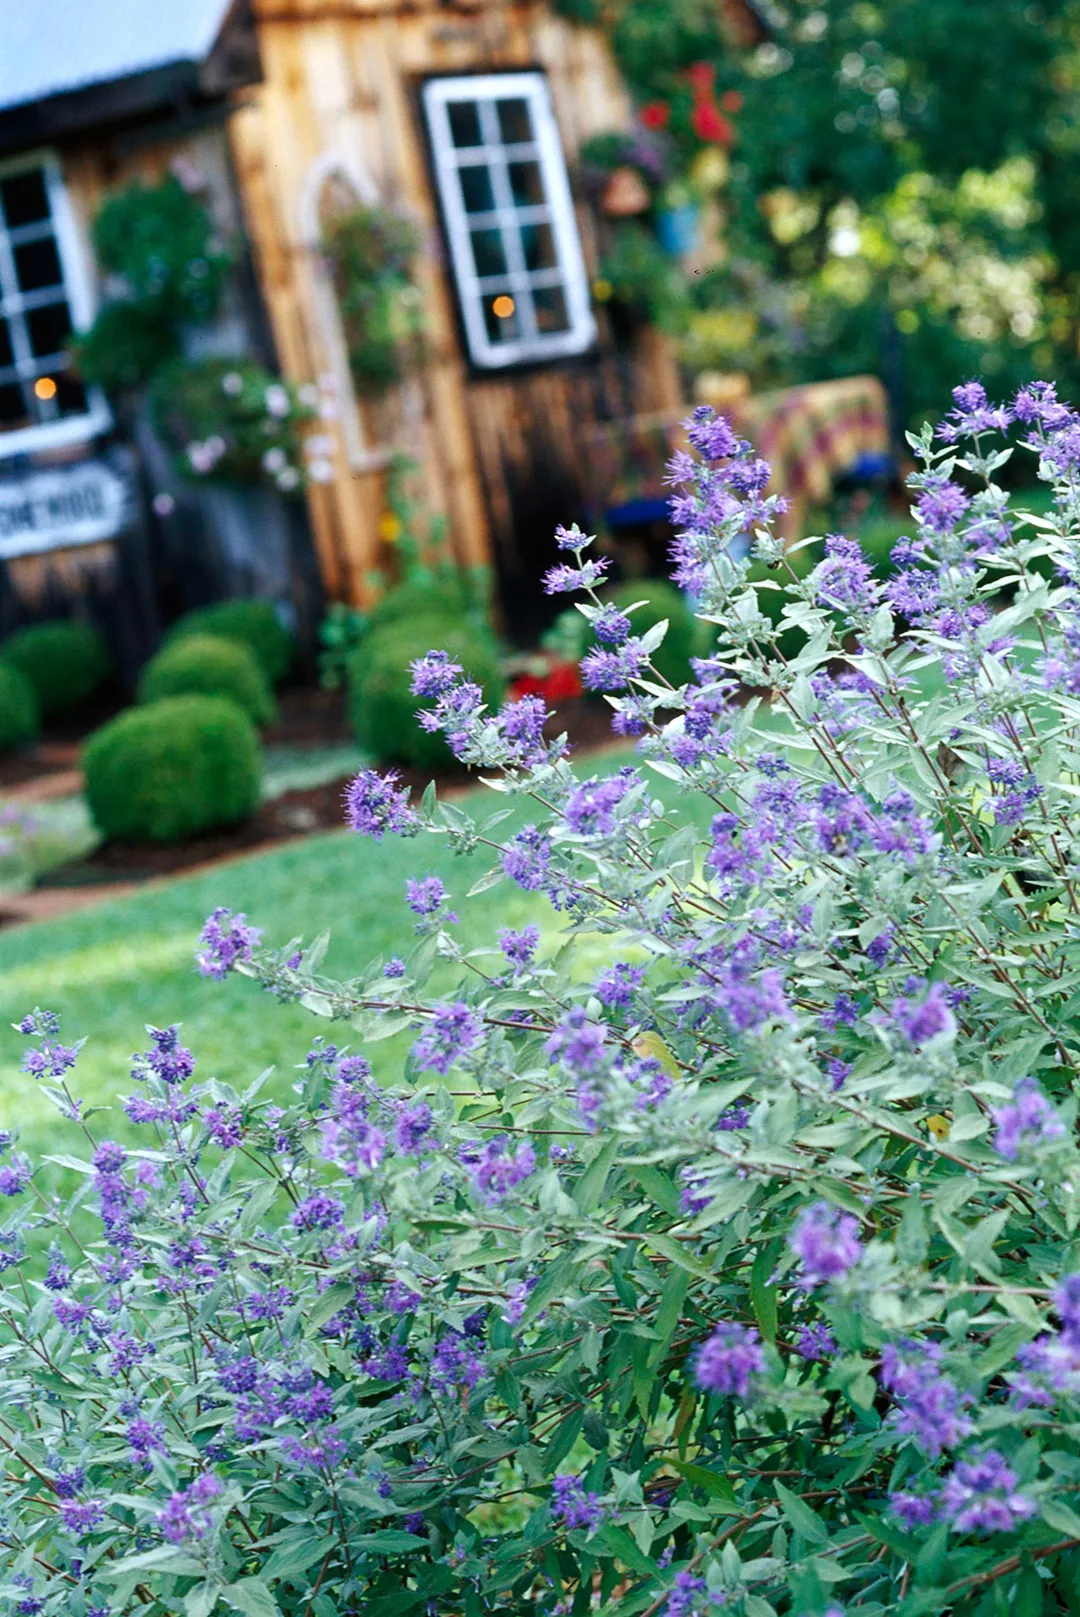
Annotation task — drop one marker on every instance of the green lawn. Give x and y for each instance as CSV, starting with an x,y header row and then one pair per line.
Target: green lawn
x,y
112,969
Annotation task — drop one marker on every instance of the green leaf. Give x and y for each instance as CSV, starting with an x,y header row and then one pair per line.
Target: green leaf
x,y
656,1185
669,1312
588,1192
618,1541
1058,1515
390,1541
293,1557
200,1601
675,1252
718,1488
332,1301
163,1559
805,1521
763,1297
563,1440
252,1597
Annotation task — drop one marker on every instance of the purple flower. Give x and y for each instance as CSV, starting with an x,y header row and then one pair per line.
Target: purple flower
x,y
912,1509
434,674
350,1139
1066,1300
58,1274
711,434
453,1031
616,988
941,504
414,1124
577,1041
519,947
317,1453
14,1178
228,941
815,1341
845,578
980,1496
606,670
144,1437
67,1484
727,1362
590,808
920,1020
79,1517
495,1168
455,1364
826,1243
166,1058
395,967
572,538
572,1506
424,897
930,1407
611,626
1028,1122
558,580
972,415
224,1124
526,858
375,804
319,1212
879,948
186,1515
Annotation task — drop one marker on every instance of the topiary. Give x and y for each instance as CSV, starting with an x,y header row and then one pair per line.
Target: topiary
x,y
444,593
381,704
662,600
172,769
18,709
255,622
209,665
64,662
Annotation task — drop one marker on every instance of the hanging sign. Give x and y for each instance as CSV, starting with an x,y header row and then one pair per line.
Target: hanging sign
x,y
52,508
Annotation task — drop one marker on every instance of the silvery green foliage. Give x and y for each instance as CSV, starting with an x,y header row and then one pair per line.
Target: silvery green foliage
x,y
740,1273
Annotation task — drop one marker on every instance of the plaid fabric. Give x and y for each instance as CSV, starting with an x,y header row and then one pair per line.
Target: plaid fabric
x,y
810,435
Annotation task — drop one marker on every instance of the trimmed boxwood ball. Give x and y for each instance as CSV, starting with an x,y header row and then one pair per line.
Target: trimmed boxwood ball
x,y
18,709
172,769
254,622
663,600
209,665
381,704
64,662
447,595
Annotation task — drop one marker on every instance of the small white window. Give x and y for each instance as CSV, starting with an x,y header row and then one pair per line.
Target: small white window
x,y
509,216
44,296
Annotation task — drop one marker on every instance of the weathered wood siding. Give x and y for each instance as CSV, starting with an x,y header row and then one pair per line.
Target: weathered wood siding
x,y
501,456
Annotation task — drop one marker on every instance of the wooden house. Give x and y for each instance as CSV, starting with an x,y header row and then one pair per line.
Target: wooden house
x,y
466,118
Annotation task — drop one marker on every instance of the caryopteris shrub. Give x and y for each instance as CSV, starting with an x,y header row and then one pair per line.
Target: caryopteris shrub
x,y
254,622
64,662
172,769
709,1241
18,709
209,665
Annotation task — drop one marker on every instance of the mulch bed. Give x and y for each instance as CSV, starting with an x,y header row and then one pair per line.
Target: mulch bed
x,y
308,717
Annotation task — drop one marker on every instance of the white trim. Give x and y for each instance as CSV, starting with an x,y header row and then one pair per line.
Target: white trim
x,y
556,210
78,294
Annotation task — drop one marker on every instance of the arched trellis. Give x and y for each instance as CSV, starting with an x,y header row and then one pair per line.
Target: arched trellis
x,y
332,185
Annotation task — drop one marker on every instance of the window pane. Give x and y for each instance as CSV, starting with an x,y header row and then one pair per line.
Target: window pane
x,y
550,305
70,394
464,123
538,244
526,182
37,264
49,329
24,198
514,122
489,254
6,356
13,411
476,189
500,317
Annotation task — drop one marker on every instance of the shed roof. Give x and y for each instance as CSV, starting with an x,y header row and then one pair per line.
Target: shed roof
x,y
54,47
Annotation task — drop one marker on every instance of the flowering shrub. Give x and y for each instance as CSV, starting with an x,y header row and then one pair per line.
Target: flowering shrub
x,y
231,421
731,1265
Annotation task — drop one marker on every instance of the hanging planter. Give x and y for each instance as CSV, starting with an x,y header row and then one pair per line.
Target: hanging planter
x,y
229,421
371,251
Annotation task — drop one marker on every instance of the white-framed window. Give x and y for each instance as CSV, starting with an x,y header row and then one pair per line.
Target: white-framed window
x,y
44,297
514,245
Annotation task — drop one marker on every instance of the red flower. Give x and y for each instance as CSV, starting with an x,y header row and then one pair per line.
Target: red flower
x,y
702,76
562,683
709,124
732,101
655,115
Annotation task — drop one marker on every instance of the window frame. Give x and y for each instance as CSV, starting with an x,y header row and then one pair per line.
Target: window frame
x,y
79,295
569,272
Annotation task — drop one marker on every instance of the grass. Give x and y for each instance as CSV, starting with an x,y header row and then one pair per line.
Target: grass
x,y
112,969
